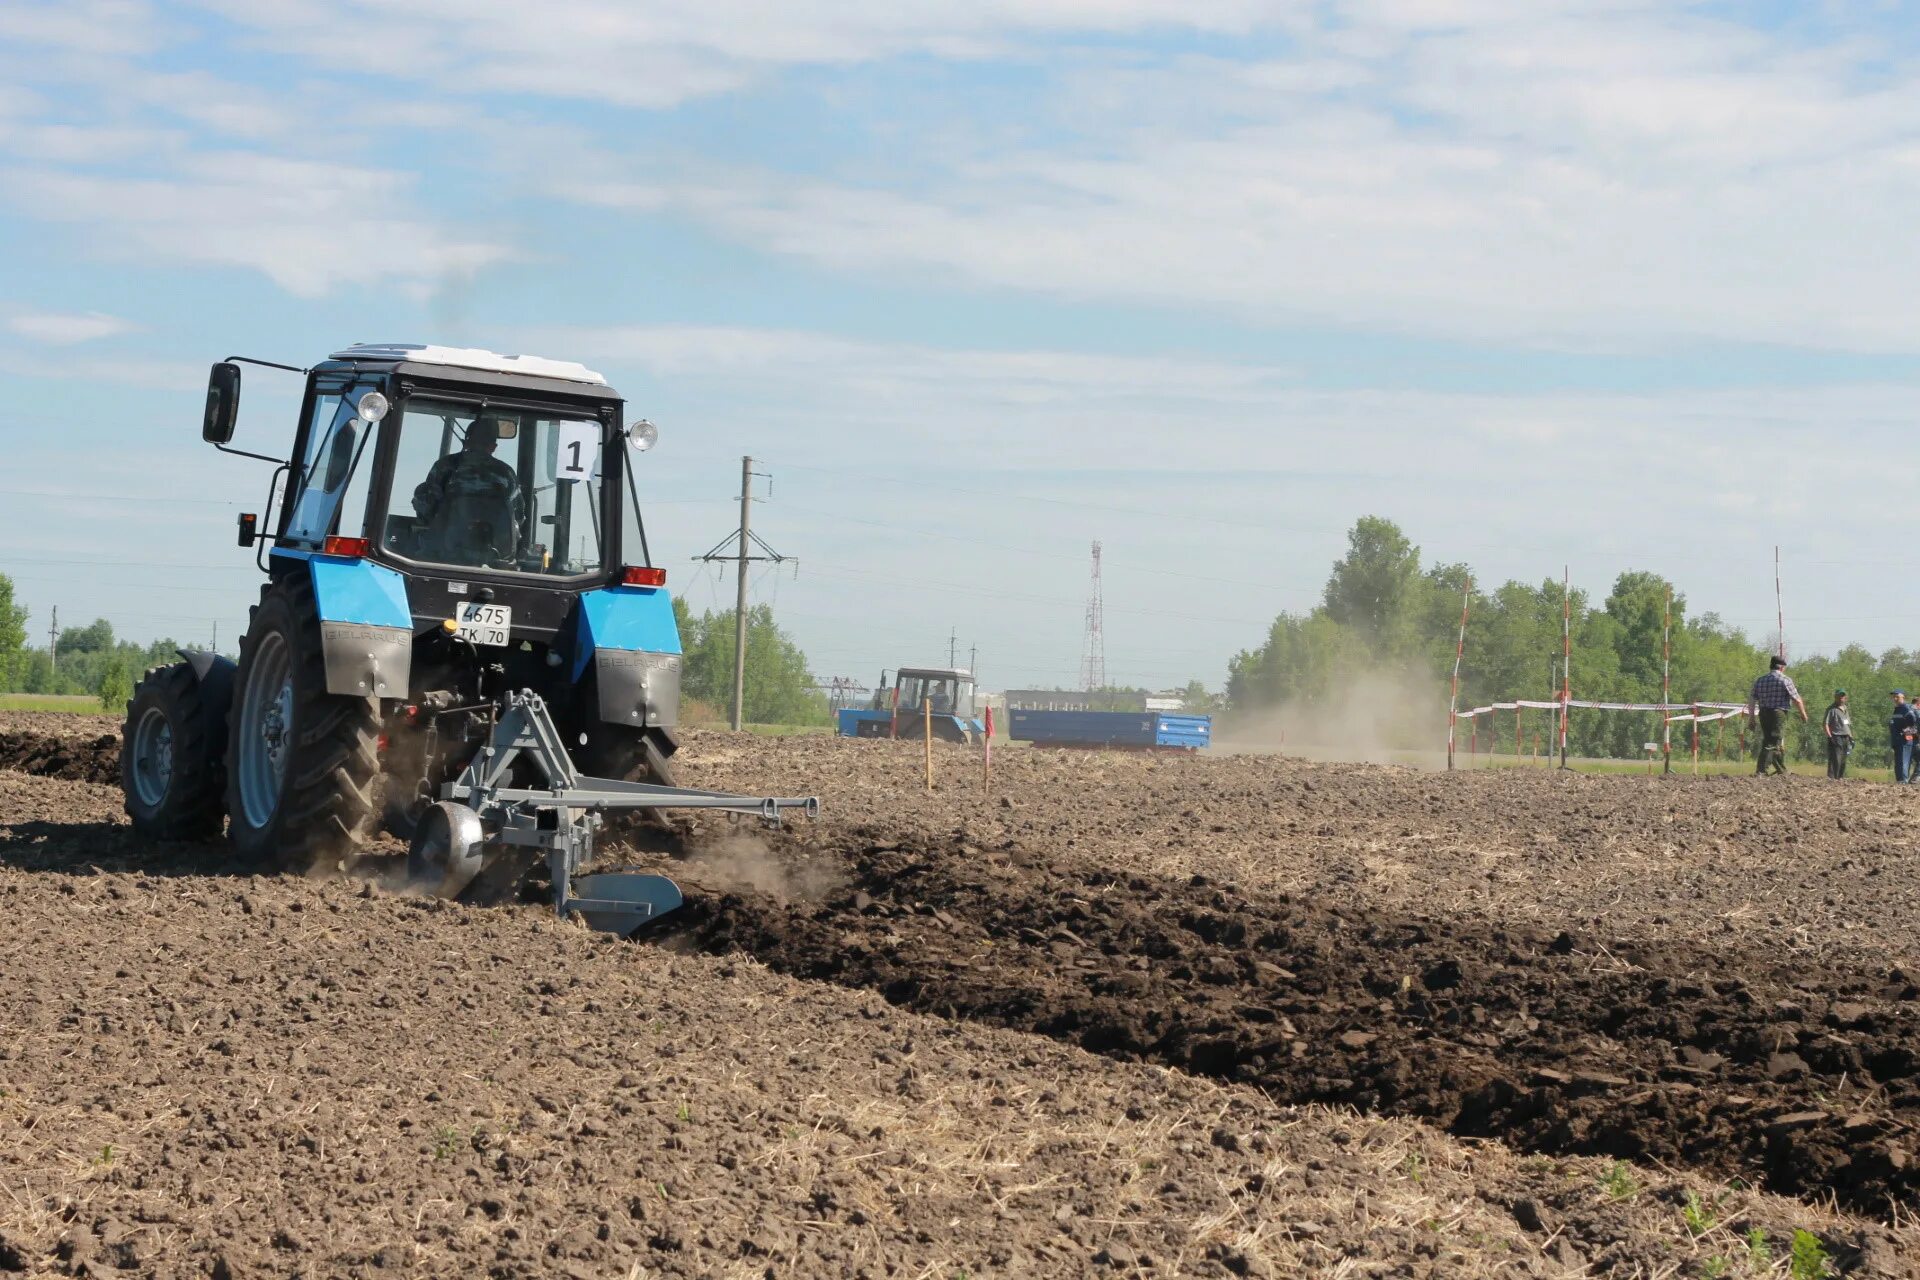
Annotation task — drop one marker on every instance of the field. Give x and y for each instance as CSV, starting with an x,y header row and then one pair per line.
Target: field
x,y
81,703
1236,1016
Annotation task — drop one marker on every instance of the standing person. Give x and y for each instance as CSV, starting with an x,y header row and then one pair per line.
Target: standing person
x,y
1772,694
1902,727
1839,735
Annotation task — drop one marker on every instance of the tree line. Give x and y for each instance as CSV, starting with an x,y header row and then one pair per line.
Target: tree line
x,y
1385,615
89,661
92,661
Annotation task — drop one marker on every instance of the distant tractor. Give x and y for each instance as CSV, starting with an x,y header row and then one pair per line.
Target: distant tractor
x,y
920,696
461,637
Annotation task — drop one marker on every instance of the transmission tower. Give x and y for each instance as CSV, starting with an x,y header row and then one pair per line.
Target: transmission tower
x,y
1093,655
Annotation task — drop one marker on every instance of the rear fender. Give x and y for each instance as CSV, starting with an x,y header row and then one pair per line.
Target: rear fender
x,y
630,637
214,674
366,628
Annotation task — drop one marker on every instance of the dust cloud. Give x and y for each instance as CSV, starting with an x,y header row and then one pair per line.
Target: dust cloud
x,y
1374,717
740,861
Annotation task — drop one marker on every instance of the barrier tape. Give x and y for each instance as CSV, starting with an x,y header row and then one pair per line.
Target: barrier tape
x,y
1729,709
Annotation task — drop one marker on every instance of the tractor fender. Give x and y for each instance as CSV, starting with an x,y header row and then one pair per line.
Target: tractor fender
x,y
205,663
629,637
366,626
214,675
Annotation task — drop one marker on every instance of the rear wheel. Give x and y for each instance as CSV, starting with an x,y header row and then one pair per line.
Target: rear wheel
x,y
635,755
301,763
170,755
632,755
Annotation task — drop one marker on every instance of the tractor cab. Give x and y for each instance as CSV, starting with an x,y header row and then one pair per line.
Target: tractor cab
x,y
944,691
453,463
471,512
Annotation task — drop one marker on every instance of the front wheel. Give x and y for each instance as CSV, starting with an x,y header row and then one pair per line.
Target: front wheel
x,y
301,762
170,754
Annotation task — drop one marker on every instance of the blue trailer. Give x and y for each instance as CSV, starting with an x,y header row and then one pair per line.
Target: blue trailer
x,y
1119,730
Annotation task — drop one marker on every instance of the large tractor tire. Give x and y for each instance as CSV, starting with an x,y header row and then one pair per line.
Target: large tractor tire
x,y
302,763
171,753
633,755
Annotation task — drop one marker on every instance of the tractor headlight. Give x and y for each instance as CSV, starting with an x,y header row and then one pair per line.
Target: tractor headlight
x,y
372,407
642,435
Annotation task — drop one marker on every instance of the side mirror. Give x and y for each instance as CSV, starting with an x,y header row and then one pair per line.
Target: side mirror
x,y
223,403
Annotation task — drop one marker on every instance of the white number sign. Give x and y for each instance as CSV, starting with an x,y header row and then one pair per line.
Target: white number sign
x,y
579,451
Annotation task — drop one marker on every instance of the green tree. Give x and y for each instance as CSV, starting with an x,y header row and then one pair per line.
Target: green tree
x,y
95,637
115,689
1374,584
779,688
1197,700
13,637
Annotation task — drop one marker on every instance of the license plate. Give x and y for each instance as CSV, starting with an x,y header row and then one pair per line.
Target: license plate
x,y
484,623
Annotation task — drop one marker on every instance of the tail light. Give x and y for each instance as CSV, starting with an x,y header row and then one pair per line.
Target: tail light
x,y
352,548
639,576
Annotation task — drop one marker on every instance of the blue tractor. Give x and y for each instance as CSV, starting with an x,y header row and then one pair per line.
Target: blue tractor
x,y
461,638
921,697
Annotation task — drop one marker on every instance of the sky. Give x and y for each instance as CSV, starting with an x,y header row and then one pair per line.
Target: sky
x,y
1602,284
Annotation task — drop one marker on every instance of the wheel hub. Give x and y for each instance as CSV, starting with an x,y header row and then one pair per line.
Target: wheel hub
x,y
152,757
264,732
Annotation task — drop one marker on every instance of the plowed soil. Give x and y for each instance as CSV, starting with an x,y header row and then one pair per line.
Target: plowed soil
x,y
1111,1018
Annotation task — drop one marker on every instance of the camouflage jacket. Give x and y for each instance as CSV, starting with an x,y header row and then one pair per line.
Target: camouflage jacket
x,y
472,502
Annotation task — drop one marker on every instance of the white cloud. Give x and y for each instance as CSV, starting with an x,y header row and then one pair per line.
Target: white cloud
x,y
63,328
897,464
1054,410
1576,176
145,372
310,226
665,52
98,27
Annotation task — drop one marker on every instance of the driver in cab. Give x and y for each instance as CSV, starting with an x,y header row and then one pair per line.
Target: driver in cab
x,y
471,502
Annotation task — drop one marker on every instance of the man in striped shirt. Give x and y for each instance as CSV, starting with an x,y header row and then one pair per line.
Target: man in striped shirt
x,y
1772,694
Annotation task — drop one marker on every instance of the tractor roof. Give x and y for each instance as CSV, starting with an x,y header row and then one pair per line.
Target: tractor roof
x,y
938,673
470,358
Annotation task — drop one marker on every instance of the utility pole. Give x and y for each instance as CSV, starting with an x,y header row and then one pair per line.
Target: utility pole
x,y
740,596
53,638
953,648
973,661
745,540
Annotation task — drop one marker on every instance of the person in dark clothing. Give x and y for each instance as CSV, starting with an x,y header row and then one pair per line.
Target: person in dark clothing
x,y
1839,728
1902,728
1772,694
471,502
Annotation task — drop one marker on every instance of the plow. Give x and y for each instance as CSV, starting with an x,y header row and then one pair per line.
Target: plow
x,y
461,640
